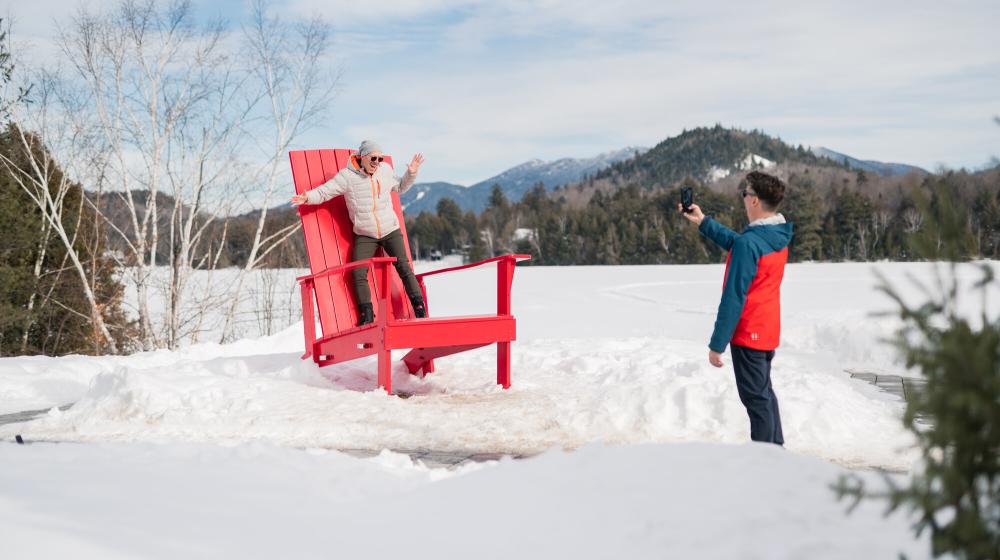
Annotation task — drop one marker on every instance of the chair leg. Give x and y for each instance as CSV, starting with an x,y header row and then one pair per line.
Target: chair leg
x,y
503,364
385,370
308,322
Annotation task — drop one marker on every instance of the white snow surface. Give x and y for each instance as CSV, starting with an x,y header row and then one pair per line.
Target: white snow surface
x,y
604,354
696,500
521,234
716,173
753,161
227,450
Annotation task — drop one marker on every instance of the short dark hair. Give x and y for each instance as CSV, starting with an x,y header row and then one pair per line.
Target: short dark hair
x,y
768,188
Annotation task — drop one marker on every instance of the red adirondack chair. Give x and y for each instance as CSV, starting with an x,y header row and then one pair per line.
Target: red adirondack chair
x,y
329,236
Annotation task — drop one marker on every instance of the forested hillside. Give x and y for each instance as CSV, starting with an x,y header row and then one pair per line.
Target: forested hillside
x,y
626,214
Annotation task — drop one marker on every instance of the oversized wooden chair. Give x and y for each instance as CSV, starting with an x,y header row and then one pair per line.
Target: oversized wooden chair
x,y
329,236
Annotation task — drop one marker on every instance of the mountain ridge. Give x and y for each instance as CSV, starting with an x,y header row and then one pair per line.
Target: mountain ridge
x,y
706,154
515,182
887,169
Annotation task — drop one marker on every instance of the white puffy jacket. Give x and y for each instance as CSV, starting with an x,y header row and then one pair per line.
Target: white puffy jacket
x,y
369,200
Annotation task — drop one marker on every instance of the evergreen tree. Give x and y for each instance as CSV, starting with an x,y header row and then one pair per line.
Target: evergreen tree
x,y
450,217
945,232
425,234
43,304
955,418
498,200
851,220
802,208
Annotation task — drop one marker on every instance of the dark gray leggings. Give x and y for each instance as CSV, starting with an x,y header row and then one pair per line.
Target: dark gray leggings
x,y
365,247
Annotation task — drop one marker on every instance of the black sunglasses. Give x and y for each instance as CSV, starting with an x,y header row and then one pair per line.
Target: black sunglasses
x,y
746,192
378,159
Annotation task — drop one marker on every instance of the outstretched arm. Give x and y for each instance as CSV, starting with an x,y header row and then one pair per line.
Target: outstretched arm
x,y
720,234
326,191
402,184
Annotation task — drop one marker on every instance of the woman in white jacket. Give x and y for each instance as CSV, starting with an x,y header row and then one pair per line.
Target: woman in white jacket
x,y
367,186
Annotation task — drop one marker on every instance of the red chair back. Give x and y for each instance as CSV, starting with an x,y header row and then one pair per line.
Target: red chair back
x,y
329,240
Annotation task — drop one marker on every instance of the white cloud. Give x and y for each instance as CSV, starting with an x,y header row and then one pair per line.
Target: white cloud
x,y
479,86
882,69
361,14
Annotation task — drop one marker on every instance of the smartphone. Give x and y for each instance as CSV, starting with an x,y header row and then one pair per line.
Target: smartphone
x,y
687,198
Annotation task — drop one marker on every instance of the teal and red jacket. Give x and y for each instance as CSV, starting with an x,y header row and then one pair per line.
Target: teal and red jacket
x,y
750,310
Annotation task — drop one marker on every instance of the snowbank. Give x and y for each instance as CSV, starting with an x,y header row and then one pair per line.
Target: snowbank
x,y
257,501
605,354
568,393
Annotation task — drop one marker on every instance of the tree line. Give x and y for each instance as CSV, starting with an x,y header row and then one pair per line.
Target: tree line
x,y
838,216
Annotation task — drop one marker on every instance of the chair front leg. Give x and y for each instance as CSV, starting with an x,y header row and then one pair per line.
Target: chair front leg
x,y
308,320
505,279
429,366
503,364
385,314
384,318
385,370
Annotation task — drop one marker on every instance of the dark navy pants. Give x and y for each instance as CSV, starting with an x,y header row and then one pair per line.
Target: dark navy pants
x,y
753,381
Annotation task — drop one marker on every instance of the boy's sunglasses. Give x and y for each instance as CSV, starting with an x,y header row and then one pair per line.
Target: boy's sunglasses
x,y
378,159
745,193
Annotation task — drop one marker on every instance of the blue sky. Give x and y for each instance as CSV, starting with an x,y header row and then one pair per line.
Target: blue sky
x,y
480,86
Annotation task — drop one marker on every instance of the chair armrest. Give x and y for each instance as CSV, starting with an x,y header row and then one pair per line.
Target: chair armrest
x,y
345,268
514,258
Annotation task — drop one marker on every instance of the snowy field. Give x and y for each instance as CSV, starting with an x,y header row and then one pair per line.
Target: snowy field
x,y
606,356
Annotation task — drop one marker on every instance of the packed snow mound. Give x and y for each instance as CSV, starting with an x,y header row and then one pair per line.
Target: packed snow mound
x,y
568,393
261,501
604,354
38,382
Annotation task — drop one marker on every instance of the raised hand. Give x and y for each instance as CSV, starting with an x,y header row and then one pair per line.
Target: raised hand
x,y
695,216
299,199
415,163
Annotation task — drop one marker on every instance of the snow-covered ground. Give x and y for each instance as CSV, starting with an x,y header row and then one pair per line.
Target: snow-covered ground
x,y
605,355
697,500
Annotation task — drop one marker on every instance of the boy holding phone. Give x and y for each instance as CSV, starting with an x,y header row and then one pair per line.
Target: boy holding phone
x,y
749,316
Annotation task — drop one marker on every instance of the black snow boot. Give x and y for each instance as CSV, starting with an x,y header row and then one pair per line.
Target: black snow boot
x,y
365,314
418,307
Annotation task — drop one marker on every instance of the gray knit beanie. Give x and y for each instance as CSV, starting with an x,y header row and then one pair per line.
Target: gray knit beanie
x,y
367,147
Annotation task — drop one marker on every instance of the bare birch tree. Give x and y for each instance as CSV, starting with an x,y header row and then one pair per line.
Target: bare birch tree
x,y
200,166
147,71
163,119
288,61
171,101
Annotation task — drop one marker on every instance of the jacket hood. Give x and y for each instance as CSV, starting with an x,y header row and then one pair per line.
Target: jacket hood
x,y
775,236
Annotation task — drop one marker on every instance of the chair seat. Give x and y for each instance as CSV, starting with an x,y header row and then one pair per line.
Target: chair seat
x,y
438,331
450,331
